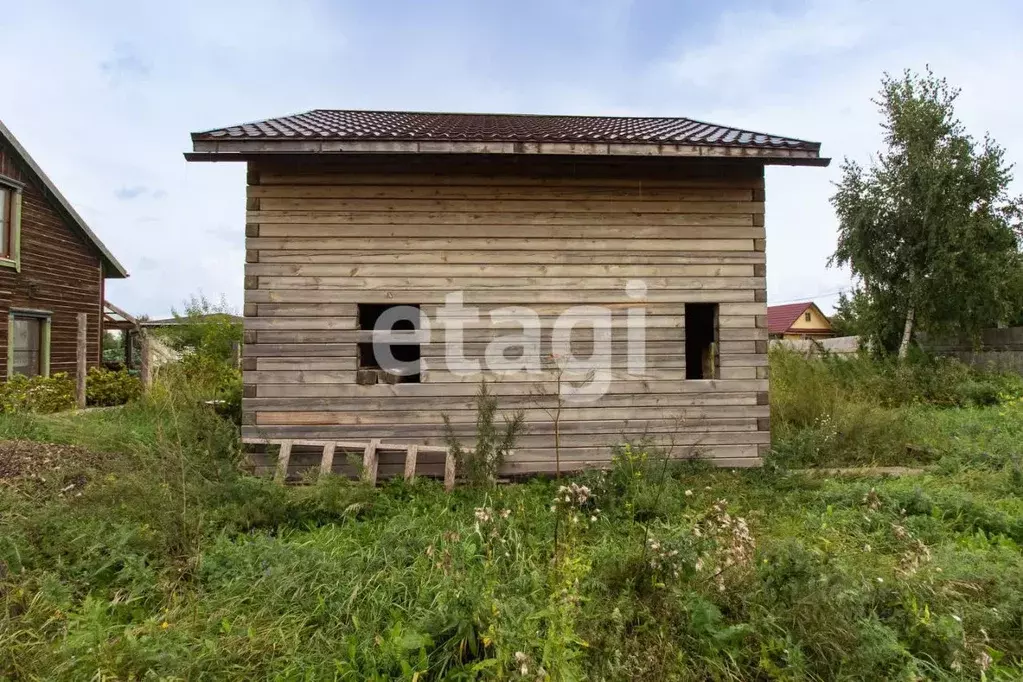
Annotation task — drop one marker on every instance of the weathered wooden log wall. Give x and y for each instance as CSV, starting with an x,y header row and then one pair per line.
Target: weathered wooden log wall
x,y
60,274
322,239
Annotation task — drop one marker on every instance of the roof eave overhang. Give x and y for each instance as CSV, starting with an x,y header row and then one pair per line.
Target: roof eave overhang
x,y
242,150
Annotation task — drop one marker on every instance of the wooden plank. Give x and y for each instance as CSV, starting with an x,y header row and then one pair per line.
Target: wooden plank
x,y
410,461
472,297
522,285
327,463
369,461
503,257
659,317
501,389
615,430
341,323
738,372
327,418
511,255
547,467
307,205
632,229
300,377
500,244
491,191
449,471
311,177
353,267
605,453
305,363
466,402
282,461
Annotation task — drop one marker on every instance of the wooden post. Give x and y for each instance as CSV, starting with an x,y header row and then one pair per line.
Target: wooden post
x,y
82,369
369,462
282,462
145,361
327,463
410,462
236,354
449,471
127,343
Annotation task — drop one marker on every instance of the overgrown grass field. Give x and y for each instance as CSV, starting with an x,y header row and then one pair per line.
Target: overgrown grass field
x,y
162,562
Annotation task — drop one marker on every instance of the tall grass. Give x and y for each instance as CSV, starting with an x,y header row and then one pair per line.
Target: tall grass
x,y
838,410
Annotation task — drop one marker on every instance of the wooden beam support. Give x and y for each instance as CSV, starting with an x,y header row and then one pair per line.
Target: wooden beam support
x,y
282,462
369,462
449,471
327,463
145,361
410,462
82,365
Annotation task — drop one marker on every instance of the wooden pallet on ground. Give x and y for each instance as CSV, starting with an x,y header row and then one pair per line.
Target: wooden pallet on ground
x,y
370,453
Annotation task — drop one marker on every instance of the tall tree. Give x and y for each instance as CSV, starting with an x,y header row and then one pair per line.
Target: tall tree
x,y
929,228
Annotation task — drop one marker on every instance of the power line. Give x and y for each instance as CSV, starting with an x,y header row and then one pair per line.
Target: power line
x,y
800,299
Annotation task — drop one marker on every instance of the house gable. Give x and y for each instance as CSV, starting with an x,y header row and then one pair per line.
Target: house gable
x,y
817,322
792,318
16,164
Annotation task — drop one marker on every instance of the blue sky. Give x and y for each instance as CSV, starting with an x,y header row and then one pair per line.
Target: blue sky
x,y
104,94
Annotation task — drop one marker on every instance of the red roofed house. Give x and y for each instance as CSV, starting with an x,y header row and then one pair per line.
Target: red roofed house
x,y
798,321
357,216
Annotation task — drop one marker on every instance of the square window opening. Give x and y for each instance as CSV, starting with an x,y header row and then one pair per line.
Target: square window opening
x,y
701,341
388,362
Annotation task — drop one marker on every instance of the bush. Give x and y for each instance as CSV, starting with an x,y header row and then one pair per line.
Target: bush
x,y
480,465
834,410
105,387
54,393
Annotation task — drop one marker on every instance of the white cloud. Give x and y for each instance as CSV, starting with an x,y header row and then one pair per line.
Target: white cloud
x,y
750,45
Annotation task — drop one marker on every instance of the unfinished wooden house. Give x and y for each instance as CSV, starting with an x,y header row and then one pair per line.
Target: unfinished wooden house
x,y
649,230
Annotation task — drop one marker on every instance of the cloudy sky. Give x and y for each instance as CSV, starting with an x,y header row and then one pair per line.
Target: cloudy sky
x,y
104,94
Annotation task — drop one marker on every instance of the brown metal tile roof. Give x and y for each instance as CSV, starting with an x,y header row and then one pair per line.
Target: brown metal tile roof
x,y
384,126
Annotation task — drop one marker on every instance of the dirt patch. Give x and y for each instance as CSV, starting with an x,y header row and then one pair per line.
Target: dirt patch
x,y
27,460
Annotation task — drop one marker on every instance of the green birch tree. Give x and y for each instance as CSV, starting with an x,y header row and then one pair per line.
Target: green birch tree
x,y
929,229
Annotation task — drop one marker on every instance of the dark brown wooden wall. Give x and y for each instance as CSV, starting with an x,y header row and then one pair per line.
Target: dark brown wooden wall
x,y
60,273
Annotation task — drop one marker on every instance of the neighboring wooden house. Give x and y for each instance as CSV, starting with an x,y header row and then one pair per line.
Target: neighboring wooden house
x,y
52,267
351,213
798,321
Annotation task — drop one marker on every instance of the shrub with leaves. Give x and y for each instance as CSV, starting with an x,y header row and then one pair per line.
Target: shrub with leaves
x,y
104,387
481,464
209,328
54,393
